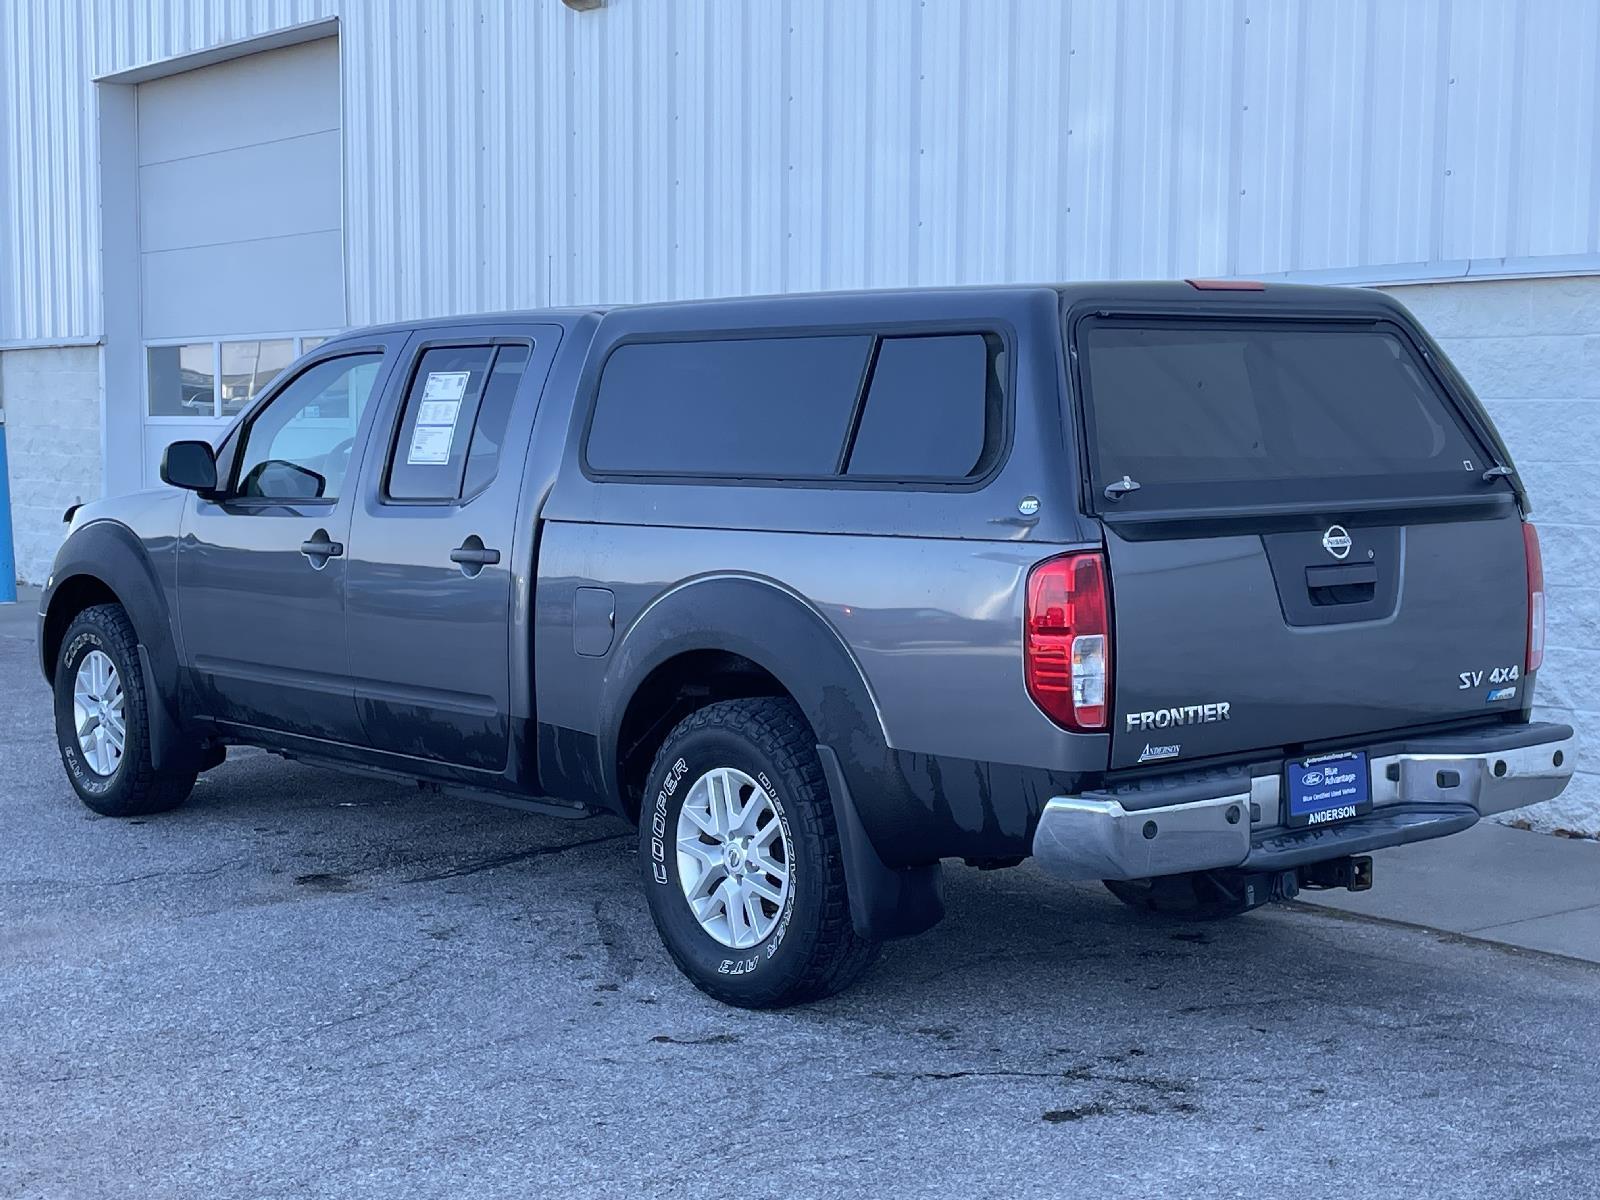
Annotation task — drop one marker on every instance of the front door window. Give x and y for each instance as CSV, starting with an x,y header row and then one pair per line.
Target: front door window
x,y
298,447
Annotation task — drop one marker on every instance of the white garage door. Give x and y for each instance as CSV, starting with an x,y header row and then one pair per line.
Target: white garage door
x,y
240,247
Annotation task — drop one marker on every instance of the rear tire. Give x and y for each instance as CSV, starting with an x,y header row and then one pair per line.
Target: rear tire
x,y
102,719
1199,896
747,888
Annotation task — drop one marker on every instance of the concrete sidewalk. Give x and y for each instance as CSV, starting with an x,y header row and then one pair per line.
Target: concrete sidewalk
x,y
1531,890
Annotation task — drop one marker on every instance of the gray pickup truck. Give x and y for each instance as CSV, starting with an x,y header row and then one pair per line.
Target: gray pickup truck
x,y
1203,590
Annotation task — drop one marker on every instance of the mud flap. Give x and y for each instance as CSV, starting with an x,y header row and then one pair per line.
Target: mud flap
x,y
169,749
885,902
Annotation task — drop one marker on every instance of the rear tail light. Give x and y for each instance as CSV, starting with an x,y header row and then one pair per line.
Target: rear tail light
x,y
1530,544
1067,651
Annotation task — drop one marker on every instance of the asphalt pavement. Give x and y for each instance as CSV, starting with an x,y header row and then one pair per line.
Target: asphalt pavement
x,y
305,984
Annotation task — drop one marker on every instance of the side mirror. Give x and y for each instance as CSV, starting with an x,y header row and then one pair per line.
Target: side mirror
x,y
191,466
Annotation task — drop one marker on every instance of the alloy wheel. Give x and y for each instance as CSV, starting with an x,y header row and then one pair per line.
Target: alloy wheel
x,y
97,712
734,858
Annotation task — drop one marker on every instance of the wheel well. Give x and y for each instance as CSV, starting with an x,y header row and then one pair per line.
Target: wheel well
x,y
668,694
71,598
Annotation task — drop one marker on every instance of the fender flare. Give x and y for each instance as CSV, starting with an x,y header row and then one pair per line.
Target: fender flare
x,y
110,554
765,622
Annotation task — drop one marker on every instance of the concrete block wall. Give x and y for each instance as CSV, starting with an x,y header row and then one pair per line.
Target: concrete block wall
x,y
51,398
1531,350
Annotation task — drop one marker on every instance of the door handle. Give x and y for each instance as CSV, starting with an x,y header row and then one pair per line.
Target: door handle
x,y
320,548
472,556
1341,575
1342,583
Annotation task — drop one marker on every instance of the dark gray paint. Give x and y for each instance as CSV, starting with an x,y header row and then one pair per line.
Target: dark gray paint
x,y
594,621
932,625
891,613
430,644
263,625
1201,620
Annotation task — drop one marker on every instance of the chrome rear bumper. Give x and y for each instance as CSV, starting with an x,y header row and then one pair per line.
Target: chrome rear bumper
x,y
1429,789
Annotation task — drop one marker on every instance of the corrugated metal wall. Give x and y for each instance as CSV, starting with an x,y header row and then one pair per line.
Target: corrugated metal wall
x,y
48,237
666,148
50,53
510,152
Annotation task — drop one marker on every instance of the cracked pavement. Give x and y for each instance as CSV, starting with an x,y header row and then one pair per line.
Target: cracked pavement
x,y
305,984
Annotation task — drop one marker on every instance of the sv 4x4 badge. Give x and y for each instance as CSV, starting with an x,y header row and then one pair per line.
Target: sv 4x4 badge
x,y
1472,679
1504,680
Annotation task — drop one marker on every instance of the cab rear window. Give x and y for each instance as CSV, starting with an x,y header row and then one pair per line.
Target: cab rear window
x,y
1228,413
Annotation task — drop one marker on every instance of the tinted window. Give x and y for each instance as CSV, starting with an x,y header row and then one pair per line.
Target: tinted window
x,y
1308,411
753,407
494,413
932,409
299,446
431,452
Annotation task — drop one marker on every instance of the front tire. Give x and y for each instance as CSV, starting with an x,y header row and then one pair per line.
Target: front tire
x,y
742,866
102,719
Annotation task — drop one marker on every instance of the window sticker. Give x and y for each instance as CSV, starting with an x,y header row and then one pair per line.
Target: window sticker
x,y
436,418
438,412
445,385
430,444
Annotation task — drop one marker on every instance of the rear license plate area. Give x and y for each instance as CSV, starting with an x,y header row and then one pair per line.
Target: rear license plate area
x,y
1328,788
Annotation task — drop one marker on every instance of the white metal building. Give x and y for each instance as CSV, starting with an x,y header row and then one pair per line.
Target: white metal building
x,y
192,189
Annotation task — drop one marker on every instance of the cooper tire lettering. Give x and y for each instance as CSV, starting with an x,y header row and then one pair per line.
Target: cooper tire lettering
x,y
726,898
658,820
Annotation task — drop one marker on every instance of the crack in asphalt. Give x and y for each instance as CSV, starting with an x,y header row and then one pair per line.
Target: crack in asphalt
x,y
940,1076
196,873
378,1000
1164,1096
1071,1075
506,860
171,873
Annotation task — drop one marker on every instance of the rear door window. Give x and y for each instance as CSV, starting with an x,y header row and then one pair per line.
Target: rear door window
x,y
448,446
431,452
769,408
1233,413
487,447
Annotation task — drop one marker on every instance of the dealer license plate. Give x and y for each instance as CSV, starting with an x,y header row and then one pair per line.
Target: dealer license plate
x,y
1328,788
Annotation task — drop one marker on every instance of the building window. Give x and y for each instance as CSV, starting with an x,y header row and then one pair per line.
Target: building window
x,y
183,380
247,367
210,381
